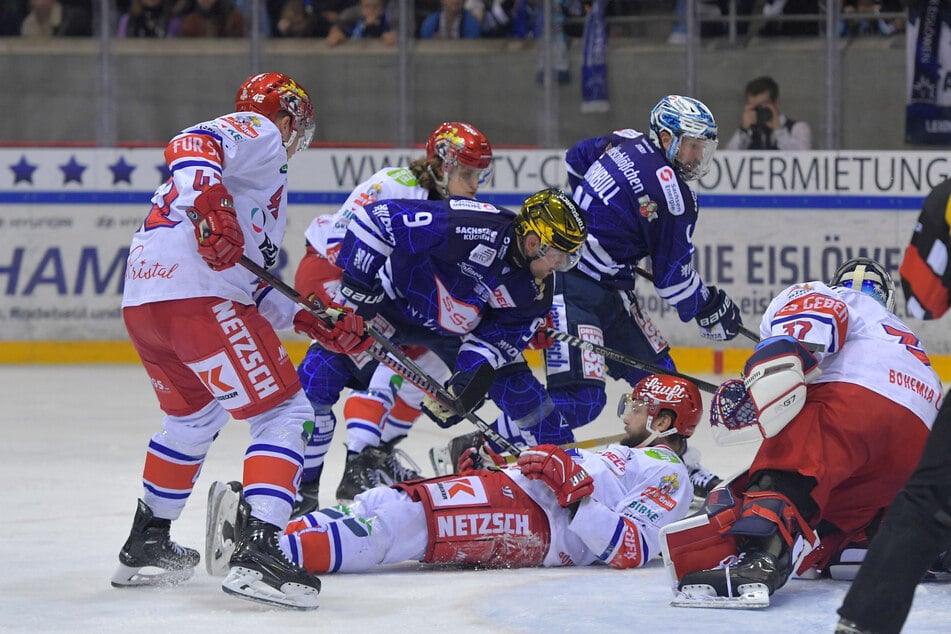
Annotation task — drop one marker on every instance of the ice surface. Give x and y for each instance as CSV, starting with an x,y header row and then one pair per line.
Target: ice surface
x,y
71,456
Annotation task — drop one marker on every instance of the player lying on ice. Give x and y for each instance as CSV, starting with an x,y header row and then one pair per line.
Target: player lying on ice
x,y
552,508
842,428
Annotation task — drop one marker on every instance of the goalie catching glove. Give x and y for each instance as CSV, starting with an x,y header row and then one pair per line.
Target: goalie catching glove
x,y
720,319
553,466
220,239
346,335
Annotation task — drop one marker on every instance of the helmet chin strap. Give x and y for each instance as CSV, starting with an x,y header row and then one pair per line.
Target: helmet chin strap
x,y
654,434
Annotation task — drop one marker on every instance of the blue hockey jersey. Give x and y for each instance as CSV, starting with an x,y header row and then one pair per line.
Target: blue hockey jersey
x,y
636,205
444,265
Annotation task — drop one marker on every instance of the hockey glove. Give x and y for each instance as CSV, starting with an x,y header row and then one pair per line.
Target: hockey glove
x,y
364,300
456,386
220,239
481,457
347,335
553,466
720,319
541,340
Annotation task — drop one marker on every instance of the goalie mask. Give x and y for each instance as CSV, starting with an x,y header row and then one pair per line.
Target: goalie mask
x,y
869,277
658,392
270,94
461,147
693,134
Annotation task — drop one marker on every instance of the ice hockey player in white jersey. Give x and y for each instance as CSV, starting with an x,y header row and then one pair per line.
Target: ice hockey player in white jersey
x,y
204,329
842,428
553,508
382,409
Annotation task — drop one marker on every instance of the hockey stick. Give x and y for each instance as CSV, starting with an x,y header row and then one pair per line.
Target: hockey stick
x,y
746,332
390,355
581,444
626,359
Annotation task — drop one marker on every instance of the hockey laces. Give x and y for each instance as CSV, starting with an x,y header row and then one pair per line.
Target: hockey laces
x,y
400,471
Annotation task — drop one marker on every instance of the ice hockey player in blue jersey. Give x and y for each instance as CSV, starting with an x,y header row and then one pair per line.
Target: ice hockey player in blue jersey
x,y
633,192
470,281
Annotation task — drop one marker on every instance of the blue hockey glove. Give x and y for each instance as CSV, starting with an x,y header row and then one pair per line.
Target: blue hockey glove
x,y
720,319
363,299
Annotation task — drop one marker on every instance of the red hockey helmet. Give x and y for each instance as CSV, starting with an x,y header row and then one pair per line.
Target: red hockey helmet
x,y
271,93
660,392
459,145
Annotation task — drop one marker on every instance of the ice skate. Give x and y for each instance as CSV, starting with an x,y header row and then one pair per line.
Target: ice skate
x,y
398,464
703,481
746,581
363,471
260,571
227,518
149,557
306,500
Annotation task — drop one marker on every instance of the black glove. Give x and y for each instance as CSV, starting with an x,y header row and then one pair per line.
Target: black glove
x,y
720,319
362,299
442,415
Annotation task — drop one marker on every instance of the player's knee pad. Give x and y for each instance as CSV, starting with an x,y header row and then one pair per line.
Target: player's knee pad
x,y
287,424
580,403
323,375
520,395
194,433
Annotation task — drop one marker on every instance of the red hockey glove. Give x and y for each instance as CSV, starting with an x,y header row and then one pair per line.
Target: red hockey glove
x,y
553,466
541,340
481,457
346,336
220,239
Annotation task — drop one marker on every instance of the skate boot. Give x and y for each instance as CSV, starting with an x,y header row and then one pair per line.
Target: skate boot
x,y
756,573
398,464
363,471
445,460
306,500
149,557
703,481
260,571
227,519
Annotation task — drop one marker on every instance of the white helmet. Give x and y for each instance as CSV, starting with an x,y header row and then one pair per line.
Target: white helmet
x,y
869,277
685,117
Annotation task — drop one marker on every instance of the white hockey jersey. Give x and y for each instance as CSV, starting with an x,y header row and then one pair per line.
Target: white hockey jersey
x,y
648,487
326,232
864,344
245,152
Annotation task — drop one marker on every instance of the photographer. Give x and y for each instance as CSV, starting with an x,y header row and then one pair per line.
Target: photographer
x,y
763,126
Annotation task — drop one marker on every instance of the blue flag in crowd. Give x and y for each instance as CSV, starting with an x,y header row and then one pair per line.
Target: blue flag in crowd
x,y
928,114
594,69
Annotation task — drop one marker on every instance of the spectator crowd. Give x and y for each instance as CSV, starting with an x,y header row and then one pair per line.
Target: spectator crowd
x,y
340,20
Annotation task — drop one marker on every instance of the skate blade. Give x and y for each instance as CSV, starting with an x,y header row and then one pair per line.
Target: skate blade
x,y
439,457
222,507
246,584
132,577
753,596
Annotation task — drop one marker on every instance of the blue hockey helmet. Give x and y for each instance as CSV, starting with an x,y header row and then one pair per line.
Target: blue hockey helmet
x,y
693,134
866,276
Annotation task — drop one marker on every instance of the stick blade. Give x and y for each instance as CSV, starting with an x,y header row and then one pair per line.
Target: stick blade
x,y
475,390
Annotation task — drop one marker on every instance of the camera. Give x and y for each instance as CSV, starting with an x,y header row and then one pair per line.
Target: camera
x,y
763,115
